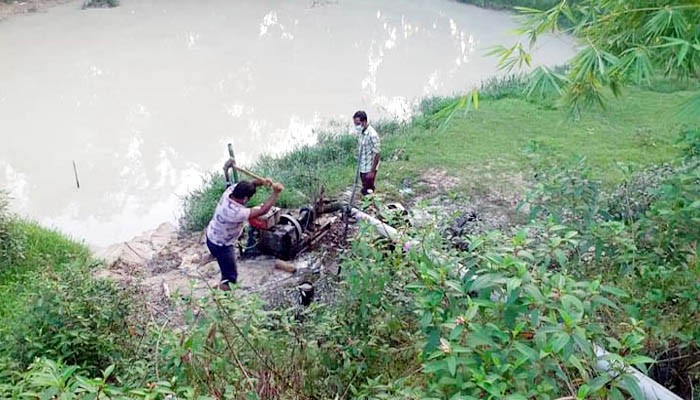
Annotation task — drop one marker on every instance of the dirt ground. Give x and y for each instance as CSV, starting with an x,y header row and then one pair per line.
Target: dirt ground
x,y
165,264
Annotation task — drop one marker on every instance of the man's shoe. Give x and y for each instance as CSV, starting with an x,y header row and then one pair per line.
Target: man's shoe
x,y
224,286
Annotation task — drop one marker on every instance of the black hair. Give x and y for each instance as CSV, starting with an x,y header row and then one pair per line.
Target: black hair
x,y
243,189
361,115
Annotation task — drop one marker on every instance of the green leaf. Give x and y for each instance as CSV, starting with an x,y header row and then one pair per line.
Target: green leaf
x,y
605,301
599,382
640,360
559,341
613,291
108,371
630,384
531,353
583,392
452,364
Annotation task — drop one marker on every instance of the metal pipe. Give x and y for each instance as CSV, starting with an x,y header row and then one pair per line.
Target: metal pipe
x,y
651,389
383,229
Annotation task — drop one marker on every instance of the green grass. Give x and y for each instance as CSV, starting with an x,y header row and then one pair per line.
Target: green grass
x,y
43,250
51,305
640,129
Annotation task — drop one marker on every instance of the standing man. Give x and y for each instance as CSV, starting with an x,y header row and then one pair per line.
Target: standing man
x,y
368,154
229,219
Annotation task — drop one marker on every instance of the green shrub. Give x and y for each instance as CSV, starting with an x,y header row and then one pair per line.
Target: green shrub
x,y
62,315
500,322
568,193
644,236
51,307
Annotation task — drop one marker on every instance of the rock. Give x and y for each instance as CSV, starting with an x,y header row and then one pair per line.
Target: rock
x,y
141,248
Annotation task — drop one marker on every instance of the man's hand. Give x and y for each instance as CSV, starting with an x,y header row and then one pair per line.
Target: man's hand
x,y
263,182
230,163
262,210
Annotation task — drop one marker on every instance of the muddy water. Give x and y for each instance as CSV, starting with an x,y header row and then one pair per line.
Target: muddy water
x,y
144,97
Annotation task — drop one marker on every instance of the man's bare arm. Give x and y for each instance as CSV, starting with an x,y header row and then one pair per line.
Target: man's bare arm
x,y
267,205
375,162
262,182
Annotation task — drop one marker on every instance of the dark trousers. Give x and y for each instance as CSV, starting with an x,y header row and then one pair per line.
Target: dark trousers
x,y
367,181
226,257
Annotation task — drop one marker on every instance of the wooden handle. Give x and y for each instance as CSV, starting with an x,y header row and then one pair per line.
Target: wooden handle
x,y
252,175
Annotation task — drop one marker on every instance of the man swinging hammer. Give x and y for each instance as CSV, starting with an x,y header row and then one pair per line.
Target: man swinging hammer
x,y
229,218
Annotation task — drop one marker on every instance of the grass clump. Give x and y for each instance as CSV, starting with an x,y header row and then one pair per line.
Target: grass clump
x,y
52,306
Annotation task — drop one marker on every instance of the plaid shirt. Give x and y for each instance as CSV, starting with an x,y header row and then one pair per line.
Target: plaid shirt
x,y
369,146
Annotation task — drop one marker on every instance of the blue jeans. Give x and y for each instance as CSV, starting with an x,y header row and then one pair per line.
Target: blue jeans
x,y
226,257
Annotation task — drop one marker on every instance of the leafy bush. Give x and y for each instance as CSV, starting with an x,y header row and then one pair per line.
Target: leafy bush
x,y
491,322
65,316
644,236
500,323
567,193
508,317
51,307
47,379
632,198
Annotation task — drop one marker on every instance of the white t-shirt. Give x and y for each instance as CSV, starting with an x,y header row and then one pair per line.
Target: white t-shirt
x,y
227,223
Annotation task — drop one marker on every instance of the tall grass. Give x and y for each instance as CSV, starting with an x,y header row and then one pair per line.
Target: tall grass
x,y
50,306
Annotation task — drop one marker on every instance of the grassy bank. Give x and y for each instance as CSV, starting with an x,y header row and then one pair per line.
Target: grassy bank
x,y
51,306
478,147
